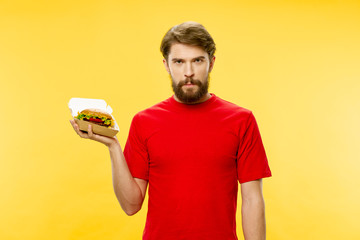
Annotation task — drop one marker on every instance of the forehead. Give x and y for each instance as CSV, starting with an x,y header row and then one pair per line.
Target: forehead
x,y
185,51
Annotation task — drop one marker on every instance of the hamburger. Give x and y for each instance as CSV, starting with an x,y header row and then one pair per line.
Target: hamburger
x,y
96,116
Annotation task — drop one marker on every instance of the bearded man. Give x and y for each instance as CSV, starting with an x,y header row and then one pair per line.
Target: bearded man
x,y
192,150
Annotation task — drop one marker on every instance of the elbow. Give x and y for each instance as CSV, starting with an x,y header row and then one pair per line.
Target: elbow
x,y
258,203
130,211
130,205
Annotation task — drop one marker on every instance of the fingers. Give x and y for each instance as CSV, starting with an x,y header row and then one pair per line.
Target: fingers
x,y
90,132
77,130
92,135
89,135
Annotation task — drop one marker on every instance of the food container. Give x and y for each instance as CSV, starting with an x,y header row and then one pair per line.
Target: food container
x,y
76,105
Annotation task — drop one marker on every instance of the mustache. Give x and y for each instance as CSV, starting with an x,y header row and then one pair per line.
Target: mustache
x,y
189,80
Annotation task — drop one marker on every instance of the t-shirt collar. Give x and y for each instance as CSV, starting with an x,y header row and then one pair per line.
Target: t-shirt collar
x,y
193,106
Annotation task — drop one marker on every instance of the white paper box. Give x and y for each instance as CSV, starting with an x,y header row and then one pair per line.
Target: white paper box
x,y
76,105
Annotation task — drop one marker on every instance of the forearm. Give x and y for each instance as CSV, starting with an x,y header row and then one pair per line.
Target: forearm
x,y
126,189
253,219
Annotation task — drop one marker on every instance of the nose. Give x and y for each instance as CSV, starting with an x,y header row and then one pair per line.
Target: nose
x,y
189,72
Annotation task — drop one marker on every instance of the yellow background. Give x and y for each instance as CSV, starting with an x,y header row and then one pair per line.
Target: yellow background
x,y
295,64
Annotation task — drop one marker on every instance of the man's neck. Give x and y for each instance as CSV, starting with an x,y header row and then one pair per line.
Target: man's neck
x,y
203,99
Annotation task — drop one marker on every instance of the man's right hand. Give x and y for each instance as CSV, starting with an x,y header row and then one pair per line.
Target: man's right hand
x,y
108,141
129,191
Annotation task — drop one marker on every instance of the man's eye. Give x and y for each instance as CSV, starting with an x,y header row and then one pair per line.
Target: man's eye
x,y
198,60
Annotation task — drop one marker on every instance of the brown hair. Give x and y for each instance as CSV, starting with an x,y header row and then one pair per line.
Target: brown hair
x,y
191,33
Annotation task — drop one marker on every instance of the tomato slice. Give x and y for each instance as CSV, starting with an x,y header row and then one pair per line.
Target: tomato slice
x,y
95,120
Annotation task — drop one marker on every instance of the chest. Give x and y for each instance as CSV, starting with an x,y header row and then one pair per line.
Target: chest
x,y
190,144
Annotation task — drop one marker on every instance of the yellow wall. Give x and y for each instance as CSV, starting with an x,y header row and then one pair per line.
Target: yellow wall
x,y
296,64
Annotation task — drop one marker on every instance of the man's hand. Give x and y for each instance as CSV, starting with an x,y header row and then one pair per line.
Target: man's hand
x,y
108,141
129,191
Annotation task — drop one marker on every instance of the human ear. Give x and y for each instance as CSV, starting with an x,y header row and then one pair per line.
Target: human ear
x,y
166,65
212,63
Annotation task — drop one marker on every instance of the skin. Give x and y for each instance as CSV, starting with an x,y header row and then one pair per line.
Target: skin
x,y
253,210
129,191
184,62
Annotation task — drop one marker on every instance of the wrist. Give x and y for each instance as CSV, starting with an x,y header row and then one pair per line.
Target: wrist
x,y
114,144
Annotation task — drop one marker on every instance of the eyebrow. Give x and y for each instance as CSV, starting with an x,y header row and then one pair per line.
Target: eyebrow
x,y
180,59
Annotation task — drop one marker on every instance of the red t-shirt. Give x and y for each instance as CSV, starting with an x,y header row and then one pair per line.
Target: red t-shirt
x,y
193,157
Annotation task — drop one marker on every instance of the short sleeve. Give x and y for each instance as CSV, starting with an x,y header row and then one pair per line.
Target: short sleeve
x,y
252,162
135,151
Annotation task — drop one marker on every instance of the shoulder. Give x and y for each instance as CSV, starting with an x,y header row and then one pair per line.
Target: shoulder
x,y
155,111
232,109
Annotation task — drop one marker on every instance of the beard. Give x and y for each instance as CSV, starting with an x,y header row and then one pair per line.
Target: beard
x,y
190,95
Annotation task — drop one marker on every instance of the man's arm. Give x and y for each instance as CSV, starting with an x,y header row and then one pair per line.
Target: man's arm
x,y
129,191
253,210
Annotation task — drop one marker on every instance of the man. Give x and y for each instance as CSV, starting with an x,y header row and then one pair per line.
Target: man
x,y
191,149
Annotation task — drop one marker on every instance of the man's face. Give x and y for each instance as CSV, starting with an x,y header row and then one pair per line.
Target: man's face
x,y
189,68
